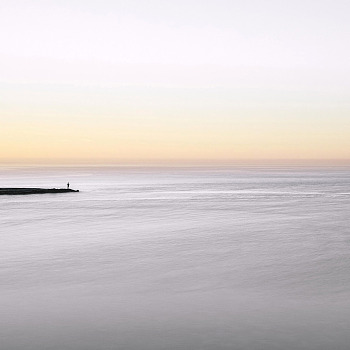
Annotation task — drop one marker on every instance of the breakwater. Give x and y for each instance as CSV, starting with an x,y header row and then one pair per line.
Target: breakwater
x,y
21,191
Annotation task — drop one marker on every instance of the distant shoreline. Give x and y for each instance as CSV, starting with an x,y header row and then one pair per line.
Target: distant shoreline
x,y
22,191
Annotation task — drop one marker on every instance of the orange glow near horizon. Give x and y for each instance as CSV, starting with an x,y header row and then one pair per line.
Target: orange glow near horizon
x,y
174,141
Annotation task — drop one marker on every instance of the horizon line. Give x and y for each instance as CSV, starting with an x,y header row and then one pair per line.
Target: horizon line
x,y
175,162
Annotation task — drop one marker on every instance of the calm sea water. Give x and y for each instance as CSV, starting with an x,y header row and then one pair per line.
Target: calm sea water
x,y
151,258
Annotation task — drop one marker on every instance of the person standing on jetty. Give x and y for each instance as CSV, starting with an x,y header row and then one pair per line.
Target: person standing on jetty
x,y
67,185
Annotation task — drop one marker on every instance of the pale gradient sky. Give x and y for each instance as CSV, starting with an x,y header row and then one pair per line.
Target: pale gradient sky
x,y
136,80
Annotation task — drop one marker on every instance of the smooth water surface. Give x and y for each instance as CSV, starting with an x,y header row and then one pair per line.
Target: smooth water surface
x,y
176,258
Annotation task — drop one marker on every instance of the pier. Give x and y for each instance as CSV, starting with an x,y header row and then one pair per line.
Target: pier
x,y
21,191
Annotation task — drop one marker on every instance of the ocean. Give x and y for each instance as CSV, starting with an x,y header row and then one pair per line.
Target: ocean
x,y
246,258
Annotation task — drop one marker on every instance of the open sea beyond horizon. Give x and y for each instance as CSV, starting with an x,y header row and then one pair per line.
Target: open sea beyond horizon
x,y
147,258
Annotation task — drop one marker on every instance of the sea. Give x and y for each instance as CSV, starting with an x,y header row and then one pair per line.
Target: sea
x,y
176,258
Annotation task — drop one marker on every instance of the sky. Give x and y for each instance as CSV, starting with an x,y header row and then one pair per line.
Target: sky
x,y
171,81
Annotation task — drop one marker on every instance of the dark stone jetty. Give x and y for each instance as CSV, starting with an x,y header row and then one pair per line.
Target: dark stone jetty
x,y
17,191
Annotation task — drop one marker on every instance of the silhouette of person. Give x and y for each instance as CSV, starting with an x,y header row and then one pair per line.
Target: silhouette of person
x,y
67,185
